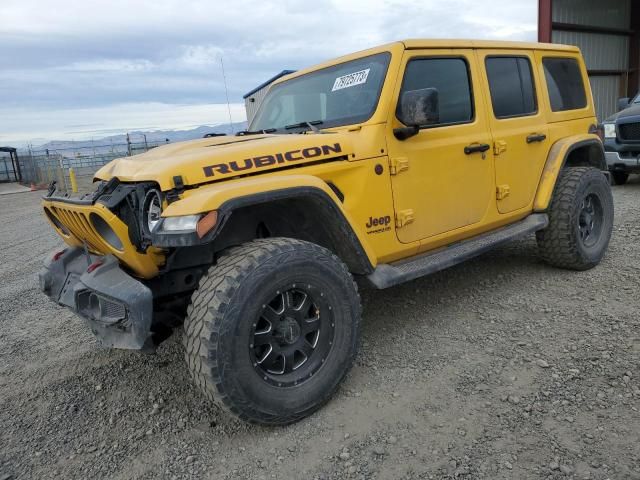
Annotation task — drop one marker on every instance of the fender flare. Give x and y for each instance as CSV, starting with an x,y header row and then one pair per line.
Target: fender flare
x,y
557,159
227,197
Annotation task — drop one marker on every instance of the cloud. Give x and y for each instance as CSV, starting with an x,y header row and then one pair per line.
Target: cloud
x,y
97,54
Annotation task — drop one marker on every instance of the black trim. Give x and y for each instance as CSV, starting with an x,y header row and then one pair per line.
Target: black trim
x,y
388,275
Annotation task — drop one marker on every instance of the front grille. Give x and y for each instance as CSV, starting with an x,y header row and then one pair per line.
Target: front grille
x,y
81,228
629,131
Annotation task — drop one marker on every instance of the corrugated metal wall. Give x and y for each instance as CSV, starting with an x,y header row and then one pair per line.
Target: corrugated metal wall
x,y
602,13
602,51
252,106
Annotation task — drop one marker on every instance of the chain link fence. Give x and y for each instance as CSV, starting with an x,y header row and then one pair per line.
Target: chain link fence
x,y
41,167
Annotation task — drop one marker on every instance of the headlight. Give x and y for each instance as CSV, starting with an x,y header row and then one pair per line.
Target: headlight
x,y
609,130
185,223
184,230
152,209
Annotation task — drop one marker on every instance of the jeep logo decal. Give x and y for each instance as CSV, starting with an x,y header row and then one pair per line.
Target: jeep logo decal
x,y
268,160
378,224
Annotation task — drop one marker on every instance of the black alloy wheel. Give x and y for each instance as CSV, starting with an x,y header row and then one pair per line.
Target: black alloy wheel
x,y
590,220
292,336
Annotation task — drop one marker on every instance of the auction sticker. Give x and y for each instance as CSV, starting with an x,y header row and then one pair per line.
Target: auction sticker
x,y
351,80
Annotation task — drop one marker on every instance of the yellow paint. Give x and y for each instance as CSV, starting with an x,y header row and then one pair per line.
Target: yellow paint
x,y
74,181
433,192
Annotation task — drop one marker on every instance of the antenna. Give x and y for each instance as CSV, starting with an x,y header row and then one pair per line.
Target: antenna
x,y
226,92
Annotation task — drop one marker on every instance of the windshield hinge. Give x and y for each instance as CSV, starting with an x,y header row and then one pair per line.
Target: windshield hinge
x,y
398,164
174,193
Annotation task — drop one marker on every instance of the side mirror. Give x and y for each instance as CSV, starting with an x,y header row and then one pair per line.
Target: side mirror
x,y
623,103
417,108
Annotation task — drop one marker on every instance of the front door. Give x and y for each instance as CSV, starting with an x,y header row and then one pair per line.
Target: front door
x,y
442,177
519,128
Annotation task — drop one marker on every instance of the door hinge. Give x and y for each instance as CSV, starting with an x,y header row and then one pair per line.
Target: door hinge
x,y
499,146
502,191
404,217
398,164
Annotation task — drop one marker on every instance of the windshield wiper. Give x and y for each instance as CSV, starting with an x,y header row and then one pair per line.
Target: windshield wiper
x,y
255,132
309,125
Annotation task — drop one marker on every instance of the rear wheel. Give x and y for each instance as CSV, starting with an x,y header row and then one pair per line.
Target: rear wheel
x,y
580,220
272,329
620,178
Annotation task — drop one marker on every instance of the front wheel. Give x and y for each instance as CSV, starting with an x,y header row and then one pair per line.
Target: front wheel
x,y
580,220
272,329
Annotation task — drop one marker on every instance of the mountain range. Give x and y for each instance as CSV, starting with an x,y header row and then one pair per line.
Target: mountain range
x,y
117,142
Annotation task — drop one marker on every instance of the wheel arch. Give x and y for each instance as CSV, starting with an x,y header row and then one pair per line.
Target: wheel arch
x,y
303,207
304,213
576,151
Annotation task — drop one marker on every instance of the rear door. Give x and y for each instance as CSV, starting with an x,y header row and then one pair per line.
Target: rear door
x,y
518,125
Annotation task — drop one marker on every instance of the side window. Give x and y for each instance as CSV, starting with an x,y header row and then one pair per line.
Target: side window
x,y
564,81
450,77
511,86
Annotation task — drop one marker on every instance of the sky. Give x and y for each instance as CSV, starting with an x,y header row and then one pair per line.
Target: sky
x,y
77,69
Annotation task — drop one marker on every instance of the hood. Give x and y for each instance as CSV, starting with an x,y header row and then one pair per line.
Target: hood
x,y
219,158
631,111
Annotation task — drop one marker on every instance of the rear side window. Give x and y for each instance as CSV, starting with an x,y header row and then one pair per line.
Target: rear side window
x,y
450,77
564,81
511,86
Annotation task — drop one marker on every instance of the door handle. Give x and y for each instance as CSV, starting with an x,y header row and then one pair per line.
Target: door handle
x,y
536,137
476,148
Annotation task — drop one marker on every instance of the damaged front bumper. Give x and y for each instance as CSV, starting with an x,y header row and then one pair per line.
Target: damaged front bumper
x,y
117,307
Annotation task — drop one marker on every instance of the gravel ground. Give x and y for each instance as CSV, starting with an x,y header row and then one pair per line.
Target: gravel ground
x,y
499,368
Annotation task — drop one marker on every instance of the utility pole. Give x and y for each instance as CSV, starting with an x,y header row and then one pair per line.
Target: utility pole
x,y
226,92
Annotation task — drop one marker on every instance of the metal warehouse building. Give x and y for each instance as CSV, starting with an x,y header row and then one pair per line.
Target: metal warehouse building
x,y
253,99
608,33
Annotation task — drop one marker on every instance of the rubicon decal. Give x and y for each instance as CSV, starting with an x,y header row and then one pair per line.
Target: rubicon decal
x,y
269,160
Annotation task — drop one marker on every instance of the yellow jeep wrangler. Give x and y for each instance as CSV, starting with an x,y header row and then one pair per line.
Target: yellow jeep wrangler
x,y
385,165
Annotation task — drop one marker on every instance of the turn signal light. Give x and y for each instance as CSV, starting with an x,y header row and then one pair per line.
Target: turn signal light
x,y
206,223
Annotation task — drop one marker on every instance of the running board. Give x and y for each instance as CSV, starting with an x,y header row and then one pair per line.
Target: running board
x,y
388,275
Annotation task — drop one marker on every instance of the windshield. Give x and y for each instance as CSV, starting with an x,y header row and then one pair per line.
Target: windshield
x,y
637,99
343,94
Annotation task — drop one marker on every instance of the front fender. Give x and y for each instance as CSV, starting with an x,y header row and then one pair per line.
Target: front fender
x,y
556,160
225,197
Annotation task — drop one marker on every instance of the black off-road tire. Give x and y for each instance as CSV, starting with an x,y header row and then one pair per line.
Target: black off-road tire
x,y
561,243
620,178
221,321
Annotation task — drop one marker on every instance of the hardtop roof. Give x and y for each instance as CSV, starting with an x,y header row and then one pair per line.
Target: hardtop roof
x,y
414,44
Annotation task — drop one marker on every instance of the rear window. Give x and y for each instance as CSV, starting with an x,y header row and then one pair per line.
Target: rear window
x,y
564,82
511,86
